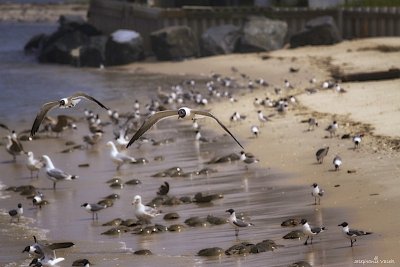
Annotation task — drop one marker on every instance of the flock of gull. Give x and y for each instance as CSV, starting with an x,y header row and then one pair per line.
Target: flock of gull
x,y
136,124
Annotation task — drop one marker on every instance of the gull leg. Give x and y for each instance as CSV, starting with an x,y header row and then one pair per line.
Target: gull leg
x,y
305,243
54,185
236,232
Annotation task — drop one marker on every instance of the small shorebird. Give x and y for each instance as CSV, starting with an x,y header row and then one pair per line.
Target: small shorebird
x,y
182,113
255,131
261,118
67,102
337,161
312,123
143,213
38,200
93,208
352,234
236,223
54,174
310,232
332,128
317,193
14,146
34,165
16,213
321,153
357,140
118,157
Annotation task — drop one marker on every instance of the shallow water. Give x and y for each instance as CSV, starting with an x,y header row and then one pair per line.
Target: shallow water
x,y
264,195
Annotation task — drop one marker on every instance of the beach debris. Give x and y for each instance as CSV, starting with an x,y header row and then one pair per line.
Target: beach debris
x,y
143,252
211,252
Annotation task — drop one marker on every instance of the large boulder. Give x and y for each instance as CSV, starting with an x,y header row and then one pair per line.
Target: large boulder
x,y
174,43
318,31
93,53
262,34
59,47
220,40
123,47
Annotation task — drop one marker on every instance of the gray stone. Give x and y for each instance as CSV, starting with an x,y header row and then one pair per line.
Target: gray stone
x,y
174,43
123,47
220,40
262,34
318,31
93,54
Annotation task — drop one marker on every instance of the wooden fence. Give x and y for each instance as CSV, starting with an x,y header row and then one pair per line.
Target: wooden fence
x,y
110,15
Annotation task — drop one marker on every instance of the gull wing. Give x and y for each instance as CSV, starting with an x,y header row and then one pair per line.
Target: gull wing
x,y
240,223
150,121
81,94
58,174
151,211
4,126
208,114
16,146
41,114
124,157
316,230
354,232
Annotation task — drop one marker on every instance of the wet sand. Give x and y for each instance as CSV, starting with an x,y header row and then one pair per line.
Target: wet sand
x,y
276,189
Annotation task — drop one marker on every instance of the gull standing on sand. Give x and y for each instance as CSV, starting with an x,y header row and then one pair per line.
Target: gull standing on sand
x,y
16,213
67,102
118,157
261,118
56,175
312,123
357,140
93,208
143,213
337,161
317,193
182,113
321,153
14,146
236,223
310,232
332,128
255,131
352,234
34,165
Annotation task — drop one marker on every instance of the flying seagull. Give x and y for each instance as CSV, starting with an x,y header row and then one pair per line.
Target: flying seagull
x,y
67,102
182,113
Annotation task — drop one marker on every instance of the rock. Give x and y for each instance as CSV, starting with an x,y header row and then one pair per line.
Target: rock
x,y
266,245
239,249
113,231
107,202
318,31
143,252
216,220
112,196
114,222
123,47
171,201
129,223
196,222
35,44
219,40
93,53
186,199
62,46
174,43
300,264
133,182
176,228
296,234
211,252
290,222
262,34
228,158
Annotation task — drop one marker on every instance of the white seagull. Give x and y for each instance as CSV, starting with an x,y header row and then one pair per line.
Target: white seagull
x,y
261,118
332,128
182,113
337,161
321,153
54,174
310,232
142,212
46,261
236,223
255,131
38,200
93,208
67,102
317,193
34,165
357,140
16,213
352,234
118,157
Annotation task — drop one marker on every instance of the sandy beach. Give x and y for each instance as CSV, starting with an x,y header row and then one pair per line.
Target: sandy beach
x,y
369,195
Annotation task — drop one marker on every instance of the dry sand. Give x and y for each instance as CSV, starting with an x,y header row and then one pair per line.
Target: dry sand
x,y
369,196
